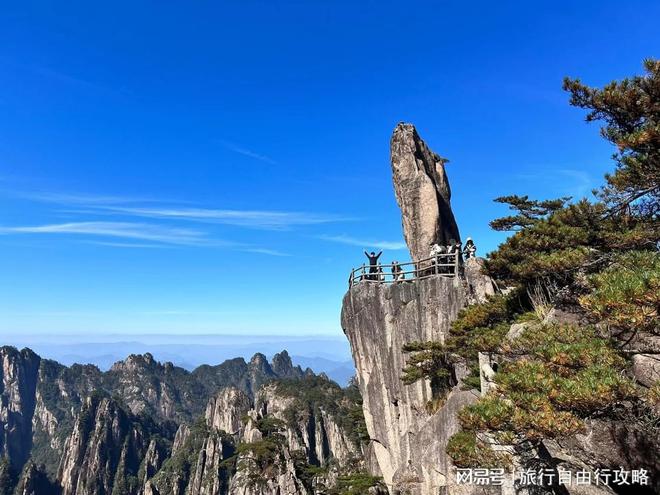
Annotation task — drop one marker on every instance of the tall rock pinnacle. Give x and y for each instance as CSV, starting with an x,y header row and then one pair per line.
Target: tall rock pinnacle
x,y
422,191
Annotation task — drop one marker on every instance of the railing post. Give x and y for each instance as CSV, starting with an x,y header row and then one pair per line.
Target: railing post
x,y
456,267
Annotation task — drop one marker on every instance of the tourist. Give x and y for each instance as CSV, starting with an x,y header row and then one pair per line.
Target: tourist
x,y
470,248
373,264
397,272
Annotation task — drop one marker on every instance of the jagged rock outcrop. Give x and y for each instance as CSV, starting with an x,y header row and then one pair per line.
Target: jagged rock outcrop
x,y
281,480
409,430
311,429
210,476
283,367
142,428
105,449
378,319
18,383
478,285
309,435
265,447
226,410
422,191
152,462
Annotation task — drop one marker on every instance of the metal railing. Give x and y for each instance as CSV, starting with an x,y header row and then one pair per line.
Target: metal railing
x,y
445,265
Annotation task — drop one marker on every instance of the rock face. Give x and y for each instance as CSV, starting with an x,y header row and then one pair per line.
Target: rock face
x,y
147,428
646,368
274,440
226,410
18,382
378,319
105,449
35,482
409,432
308,434
422,191
479,286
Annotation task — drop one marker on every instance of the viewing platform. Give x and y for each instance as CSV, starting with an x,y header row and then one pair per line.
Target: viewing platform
x,y
444,265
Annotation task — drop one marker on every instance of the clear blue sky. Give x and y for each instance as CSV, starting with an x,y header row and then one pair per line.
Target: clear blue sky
x,y
219,166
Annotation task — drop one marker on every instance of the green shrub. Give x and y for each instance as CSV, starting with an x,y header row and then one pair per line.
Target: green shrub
x,y
498,309
467,451
428,360
565,346
626,295
356,484
316,393
592,389
489,413
263,452
565,374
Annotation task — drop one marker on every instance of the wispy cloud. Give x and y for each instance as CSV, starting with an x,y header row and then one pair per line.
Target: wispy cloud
x,y
176,210
123,230
270,252
364,243
154,236
246,152
128,245
260,219
135,223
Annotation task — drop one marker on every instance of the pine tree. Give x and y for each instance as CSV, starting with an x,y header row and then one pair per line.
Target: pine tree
x,y
630,111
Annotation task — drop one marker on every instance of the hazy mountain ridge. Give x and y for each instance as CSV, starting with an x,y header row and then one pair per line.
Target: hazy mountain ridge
x,y
81,430
330,355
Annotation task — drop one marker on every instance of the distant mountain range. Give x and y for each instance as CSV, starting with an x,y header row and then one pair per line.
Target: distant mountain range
x,y
146,427
329,355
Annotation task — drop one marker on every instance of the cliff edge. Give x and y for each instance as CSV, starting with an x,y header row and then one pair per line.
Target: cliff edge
x,y
408,436
378,319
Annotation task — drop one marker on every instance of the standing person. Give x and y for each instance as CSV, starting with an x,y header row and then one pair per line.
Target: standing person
x,y
436,251
470,248
397,272
373,263
458,249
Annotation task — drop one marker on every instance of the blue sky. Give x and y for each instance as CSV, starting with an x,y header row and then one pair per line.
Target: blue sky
x,y
217,167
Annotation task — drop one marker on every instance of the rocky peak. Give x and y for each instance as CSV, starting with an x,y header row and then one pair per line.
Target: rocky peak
x,y
422,191
409,438
106,440
136,362
379,319
260,362
283,366
18,381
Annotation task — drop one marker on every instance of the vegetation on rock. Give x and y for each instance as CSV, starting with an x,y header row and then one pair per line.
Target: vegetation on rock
x,y
317,394
599,258
357,484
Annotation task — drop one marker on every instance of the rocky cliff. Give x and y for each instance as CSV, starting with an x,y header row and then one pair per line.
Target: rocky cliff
x,y
409,442
409,428
148,428
18,384
422,191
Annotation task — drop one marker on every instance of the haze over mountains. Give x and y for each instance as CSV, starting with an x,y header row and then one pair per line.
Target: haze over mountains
x,y
324,354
